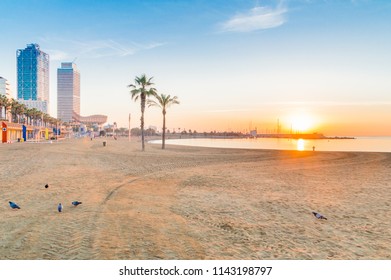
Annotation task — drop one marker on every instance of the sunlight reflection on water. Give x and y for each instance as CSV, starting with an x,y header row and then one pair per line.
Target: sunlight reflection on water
x,y
300,145
364,144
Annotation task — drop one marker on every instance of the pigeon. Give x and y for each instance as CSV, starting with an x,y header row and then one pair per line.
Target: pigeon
x,y
76,202
59,207
319,216
13,205
46,186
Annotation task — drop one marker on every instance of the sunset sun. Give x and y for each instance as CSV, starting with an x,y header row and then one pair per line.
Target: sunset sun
x,y
302,122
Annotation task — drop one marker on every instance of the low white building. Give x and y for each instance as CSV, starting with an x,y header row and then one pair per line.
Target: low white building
x,y
5,88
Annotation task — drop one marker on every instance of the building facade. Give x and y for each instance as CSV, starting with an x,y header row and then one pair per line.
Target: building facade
x,y
5,88
33,77
68,92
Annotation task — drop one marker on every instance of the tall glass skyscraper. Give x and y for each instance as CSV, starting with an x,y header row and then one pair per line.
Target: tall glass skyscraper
x,y
68,92
33,77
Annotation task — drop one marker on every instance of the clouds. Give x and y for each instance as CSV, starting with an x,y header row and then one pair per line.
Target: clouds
x,y
312,104
57,55
258,18
63,49
228,110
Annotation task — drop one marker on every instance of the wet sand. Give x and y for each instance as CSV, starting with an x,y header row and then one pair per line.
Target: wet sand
x,y
191,202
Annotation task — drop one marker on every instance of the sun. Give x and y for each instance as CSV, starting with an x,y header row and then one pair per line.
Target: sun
x,y
302,122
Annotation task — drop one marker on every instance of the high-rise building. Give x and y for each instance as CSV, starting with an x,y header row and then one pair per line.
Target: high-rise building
x,y
68,92
33,77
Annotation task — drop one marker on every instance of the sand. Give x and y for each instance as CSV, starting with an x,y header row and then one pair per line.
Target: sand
x,y
191,202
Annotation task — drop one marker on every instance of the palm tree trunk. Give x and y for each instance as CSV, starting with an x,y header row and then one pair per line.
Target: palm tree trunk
x,y
142,121
164,131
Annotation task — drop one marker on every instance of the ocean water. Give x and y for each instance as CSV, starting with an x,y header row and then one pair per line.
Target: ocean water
x,y
362,144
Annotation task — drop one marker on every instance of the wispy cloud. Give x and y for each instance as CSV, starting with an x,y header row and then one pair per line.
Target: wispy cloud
x,y
329,103
103,48
94,49
258,18
58,55
227,110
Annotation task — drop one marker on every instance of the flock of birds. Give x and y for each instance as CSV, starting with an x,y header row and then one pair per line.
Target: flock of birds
x,y
75,203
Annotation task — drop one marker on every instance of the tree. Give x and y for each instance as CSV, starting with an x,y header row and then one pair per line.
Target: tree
x,y
46,119
135,131
163,101
37,116
17,110
141,90
3,103
29,113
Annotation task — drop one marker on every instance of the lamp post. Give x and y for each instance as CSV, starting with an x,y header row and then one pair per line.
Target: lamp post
x,y
114,127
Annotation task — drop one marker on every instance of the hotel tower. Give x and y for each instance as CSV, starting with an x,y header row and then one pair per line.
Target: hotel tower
x,y
33,77
68,92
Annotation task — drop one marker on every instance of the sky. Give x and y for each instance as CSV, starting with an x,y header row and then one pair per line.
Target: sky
x,y
308,65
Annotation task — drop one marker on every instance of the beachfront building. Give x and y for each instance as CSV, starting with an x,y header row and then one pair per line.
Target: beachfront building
x,y
33,77
15,132
5,90
68,92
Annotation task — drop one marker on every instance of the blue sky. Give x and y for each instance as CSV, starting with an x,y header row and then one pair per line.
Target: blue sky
x,y
234,65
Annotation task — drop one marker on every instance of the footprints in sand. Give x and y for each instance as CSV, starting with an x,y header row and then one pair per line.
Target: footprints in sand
x,y
221,226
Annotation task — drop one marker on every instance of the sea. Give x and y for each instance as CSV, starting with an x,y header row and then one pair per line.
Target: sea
x,y
358,144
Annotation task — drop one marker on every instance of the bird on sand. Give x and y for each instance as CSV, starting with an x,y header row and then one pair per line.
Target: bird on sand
x,y
76,202
13,205
46,186
319,216
59,207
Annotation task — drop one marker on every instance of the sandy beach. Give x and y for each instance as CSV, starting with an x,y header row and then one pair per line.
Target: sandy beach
x,y
191,202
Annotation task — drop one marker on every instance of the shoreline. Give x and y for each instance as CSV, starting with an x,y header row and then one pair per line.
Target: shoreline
x,y
192,202
364,144
313,136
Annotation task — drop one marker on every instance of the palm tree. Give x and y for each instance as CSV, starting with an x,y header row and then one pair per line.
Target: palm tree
x,y
22,111
13,107
3,103
37,116
29,113
46,119
163,101
17,110
141,90
7,109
